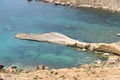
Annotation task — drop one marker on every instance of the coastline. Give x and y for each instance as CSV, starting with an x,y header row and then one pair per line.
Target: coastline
x,y
108,70
112,5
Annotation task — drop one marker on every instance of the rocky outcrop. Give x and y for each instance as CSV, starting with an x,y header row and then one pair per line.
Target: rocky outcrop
x,y
11,69
107,47
113,5
58,38
1,66
40,67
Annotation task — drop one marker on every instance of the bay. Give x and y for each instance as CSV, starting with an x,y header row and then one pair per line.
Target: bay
x,y
84,24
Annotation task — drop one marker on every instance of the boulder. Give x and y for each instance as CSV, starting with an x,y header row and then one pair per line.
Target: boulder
x,y
1,66
40,67
11,69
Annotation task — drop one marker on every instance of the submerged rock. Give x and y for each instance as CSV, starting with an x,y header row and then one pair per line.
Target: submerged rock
x,y
118,35
58,38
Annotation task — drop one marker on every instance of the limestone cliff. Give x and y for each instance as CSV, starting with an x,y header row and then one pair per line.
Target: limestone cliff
x,y
113,5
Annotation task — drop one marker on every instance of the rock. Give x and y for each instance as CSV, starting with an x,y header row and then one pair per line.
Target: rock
x,y
6,77
106,54
113,59
2,79
98,61
107,47
1,66
57,2
118,35
40,67
62,3
11,69
83,50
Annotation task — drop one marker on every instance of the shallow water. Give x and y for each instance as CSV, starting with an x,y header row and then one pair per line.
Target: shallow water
x,y
88,25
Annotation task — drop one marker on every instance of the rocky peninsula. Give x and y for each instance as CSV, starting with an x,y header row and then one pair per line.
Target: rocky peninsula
x,y
112,5
54,37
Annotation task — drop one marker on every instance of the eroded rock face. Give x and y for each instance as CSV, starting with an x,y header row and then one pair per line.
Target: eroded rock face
x,y
58,38
109,48
112,5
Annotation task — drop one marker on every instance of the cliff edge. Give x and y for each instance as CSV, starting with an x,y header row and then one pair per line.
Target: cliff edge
x,y
112,5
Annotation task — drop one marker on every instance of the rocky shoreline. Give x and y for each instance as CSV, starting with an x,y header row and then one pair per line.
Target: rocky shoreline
x,y
108,70
112,5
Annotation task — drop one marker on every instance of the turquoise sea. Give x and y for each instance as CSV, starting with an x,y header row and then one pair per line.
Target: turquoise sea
x,y
84,24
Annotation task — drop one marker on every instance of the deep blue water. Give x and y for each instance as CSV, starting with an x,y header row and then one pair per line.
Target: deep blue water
x,y
88,25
